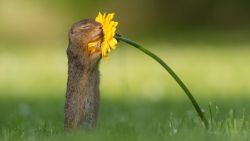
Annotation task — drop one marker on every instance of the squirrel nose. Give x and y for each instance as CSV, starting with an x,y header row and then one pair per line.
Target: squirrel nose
x,y
99,26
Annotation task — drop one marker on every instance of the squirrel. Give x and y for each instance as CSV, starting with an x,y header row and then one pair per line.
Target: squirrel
x,y
82,94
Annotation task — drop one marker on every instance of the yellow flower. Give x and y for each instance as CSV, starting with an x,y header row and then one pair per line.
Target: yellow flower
x,y
109,29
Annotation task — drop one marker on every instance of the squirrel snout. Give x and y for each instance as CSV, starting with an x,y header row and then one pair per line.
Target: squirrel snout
x,y
99,26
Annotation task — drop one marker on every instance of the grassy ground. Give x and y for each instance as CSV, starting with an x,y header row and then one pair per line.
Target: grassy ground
x,y
139,99
29,119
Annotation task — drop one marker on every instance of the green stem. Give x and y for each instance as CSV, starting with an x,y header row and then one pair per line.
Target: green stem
x,y
171,72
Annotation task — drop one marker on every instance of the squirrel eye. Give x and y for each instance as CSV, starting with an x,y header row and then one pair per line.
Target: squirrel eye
x,y
85,27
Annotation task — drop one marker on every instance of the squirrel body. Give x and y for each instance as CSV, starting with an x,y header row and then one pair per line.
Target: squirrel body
x,y
82,94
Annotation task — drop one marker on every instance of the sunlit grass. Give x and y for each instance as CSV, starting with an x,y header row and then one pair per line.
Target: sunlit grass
x,y
42,119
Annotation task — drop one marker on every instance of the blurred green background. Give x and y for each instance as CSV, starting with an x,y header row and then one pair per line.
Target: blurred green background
x,y
205,41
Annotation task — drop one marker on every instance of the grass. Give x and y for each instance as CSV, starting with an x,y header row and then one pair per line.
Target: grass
x,y
32,119
138,102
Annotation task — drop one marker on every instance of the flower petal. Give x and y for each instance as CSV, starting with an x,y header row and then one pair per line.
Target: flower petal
x,y
109,30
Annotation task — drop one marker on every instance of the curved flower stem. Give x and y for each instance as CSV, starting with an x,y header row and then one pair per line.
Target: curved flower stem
x,y
171,72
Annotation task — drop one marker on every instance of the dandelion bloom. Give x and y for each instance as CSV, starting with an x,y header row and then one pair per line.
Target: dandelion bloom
x,y
109,29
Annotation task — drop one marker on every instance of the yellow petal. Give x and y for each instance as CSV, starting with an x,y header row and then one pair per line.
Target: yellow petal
x,y
109,30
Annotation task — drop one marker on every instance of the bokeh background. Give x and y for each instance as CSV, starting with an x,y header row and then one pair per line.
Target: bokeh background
x,y
205,41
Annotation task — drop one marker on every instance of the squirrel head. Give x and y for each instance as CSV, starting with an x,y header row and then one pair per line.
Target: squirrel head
x,y
80,35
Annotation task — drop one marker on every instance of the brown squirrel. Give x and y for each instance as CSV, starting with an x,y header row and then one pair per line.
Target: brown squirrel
x,y
82,95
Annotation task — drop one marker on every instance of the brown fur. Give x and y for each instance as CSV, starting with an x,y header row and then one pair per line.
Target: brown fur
x,y
82,96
